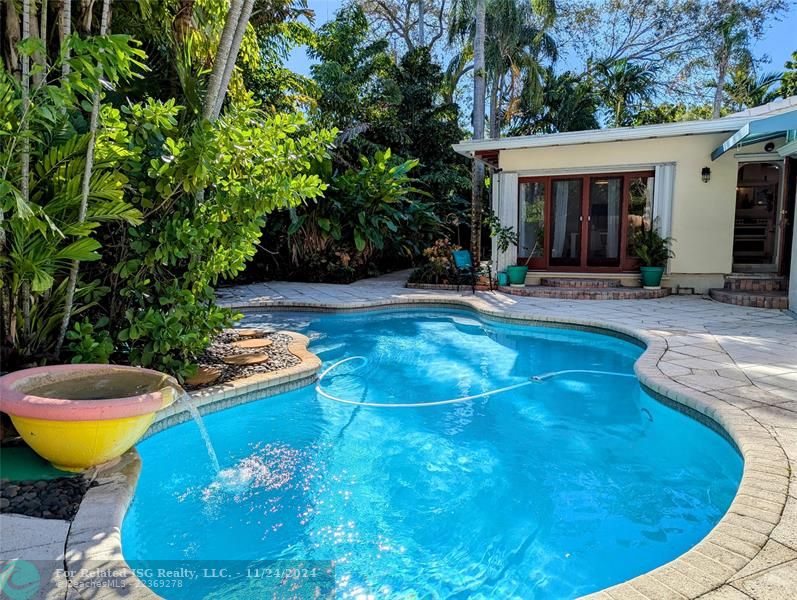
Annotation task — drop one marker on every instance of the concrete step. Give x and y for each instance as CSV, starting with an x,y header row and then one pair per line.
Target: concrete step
x,y
754,299
752,282
579,282
589,293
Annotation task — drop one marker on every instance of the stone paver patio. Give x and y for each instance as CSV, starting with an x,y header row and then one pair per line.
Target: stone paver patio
x,y
737,366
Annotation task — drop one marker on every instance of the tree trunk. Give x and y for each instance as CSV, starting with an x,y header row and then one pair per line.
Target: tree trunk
x,y
66,30
43,31
722,72
421,24
229,67
86,15
12,35
84,194
24,185
494,94
38,59
477,174
220,62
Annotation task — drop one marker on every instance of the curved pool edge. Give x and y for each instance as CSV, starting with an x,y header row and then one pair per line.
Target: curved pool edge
x,y
718,559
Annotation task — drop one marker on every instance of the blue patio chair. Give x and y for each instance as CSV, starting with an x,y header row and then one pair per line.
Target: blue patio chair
x,y
467,272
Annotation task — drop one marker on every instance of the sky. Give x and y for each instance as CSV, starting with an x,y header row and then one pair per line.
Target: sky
x,y
778,44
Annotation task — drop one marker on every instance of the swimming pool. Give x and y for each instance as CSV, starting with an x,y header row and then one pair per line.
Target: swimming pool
x,y
550,490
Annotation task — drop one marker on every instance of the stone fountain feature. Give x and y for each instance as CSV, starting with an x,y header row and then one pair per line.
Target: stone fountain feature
x,y
81,416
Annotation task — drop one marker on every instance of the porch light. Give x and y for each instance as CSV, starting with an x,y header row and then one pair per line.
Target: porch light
x,y
705,174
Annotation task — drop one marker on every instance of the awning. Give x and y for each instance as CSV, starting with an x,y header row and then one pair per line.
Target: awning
x,y
759,131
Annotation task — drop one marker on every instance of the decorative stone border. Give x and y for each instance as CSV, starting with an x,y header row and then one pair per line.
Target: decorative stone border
x,y
724,555
240,391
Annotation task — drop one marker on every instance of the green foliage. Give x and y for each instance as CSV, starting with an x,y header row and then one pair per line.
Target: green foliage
x,y
504,236
438,266
651,248
624,86
670,113
43,232
366,214
90,343
788,85
566,103
353,74
392,120
250,164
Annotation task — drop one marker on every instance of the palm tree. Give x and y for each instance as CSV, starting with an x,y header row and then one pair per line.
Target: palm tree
x,y
566,103
623,84
515,52
732,41
744,89
468,24
477,173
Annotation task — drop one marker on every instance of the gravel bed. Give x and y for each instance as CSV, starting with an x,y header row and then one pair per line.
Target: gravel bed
x,y
279,357
47,499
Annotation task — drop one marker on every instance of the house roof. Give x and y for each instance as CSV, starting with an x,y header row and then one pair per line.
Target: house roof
x,y
488,149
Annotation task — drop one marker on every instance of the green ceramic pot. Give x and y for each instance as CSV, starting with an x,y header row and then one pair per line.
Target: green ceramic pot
x,y
651,276
517,274
503,279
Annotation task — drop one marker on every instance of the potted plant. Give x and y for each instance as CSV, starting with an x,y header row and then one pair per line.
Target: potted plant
x,y
654,251
505,237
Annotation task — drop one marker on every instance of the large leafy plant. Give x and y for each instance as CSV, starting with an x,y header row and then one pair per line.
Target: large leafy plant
x,y
42,230
247,164
366,213
651,248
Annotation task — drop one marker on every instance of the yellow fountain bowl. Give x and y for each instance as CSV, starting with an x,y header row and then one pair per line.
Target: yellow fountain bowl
x,y
78,445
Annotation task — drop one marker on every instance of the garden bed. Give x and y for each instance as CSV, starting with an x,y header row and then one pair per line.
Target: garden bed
x,y
271,356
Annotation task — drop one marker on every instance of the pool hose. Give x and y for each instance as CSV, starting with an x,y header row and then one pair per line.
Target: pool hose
x,y
531,380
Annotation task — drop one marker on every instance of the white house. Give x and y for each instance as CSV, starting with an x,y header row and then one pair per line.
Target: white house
x,y
723,189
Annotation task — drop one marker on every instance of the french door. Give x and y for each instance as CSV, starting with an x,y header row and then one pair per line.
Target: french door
x,y
581,223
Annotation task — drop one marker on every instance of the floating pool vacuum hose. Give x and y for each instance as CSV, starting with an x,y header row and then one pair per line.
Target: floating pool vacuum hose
x,y
532,380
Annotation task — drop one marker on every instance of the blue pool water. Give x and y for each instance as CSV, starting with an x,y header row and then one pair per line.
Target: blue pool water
x,y
551,490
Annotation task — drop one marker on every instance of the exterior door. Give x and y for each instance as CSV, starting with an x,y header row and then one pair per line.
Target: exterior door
x,y
758,217
567,219
582,222
604,214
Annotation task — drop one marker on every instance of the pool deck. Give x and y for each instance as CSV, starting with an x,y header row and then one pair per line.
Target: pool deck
x,y
736,366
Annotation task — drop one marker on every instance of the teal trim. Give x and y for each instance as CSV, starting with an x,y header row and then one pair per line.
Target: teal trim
x,y
756,131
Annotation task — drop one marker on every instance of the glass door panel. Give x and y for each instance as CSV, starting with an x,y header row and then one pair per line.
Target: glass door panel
x,y
640,208
603,231
531,238
566,218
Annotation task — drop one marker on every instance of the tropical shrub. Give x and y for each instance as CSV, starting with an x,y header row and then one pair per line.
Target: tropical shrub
x,y
650,247
43,227
163,274
438,267
367,215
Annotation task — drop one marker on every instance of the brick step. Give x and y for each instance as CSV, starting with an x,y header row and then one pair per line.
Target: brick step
x,y
578,283
593,293
769,299
755,283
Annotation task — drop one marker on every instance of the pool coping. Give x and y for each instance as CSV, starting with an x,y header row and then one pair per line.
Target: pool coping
x,y
718,559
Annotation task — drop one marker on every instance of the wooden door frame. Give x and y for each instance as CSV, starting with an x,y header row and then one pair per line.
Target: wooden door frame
x,y
787,215
542,263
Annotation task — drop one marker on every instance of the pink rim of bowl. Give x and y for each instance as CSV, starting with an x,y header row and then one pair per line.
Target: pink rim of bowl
x,y
20,404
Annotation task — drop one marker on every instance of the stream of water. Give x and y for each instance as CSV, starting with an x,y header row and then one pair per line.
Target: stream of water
x,y
185,399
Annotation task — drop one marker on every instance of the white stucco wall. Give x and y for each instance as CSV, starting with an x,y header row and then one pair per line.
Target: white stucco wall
x,y
702,213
